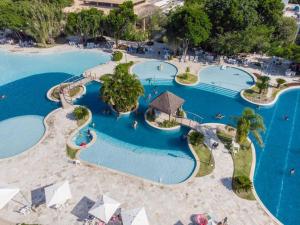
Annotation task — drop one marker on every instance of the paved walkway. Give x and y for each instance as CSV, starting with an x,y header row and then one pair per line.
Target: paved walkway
x,y
165,205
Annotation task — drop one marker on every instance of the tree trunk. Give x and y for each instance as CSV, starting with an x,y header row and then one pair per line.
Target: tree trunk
x,y
185,46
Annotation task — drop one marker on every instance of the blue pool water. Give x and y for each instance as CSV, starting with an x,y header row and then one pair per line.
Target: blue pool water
x,y
14,66
156,70
25,91
229,78
27,130
145,152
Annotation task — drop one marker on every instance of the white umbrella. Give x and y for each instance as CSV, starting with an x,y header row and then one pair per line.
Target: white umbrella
x,y
104,208
135,217
6,194
57,194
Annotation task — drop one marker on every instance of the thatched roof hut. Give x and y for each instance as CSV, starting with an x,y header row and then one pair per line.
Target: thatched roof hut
x,y
167,102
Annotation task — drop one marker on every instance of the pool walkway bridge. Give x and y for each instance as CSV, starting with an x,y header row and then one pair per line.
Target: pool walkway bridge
x,y
194,121
92,74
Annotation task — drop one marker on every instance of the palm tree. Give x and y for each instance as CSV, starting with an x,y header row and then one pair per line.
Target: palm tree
x,y
121,90
263,84
262,87
280,81
249,122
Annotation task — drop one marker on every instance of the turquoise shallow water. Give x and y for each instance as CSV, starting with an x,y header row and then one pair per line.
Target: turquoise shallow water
x,y
25,80
229,78
166,159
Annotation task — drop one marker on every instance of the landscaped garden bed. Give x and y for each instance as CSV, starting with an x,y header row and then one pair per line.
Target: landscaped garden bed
x,y
242,161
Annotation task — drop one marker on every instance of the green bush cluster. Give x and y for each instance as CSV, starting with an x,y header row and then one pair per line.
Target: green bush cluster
x,y
196,138
168,123
241,183
117,56
80,112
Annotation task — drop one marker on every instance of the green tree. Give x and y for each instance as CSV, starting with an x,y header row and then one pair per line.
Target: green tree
x,y
156,24
119,19
263,85
270,11
196,138
44,22
231,15
87,23
80,112
280,82
286,31
10,16
190,25
121,90
249,122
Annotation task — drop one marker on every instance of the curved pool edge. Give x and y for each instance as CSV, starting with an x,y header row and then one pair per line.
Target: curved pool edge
x,y
152,60
188,85
142,179
273,101
252,172
160,128
79,95
245,70
40,140
76,131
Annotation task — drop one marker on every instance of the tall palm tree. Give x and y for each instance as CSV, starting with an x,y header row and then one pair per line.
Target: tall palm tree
x,y
250,122
263,84
121,90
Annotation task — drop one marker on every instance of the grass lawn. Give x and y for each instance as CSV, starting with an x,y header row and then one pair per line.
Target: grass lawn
x,y
73,92
187,78
82,121
207,163
254,95
242,162
71,153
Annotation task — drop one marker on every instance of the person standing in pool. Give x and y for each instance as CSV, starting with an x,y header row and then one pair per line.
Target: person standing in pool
x,y
292,171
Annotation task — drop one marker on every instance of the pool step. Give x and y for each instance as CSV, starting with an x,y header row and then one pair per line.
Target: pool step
x,y
218,90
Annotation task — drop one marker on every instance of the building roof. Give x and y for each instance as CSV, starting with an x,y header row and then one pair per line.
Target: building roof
x,y
167,102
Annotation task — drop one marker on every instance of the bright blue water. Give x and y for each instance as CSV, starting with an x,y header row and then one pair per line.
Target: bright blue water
x,y
21,129
156,70
83,137
25,93
229,78
14,66
135,151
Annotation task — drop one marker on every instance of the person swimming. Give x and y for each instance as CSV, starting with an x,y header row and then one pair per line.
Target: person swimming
x,y
219,116
2,97
134,124
285,117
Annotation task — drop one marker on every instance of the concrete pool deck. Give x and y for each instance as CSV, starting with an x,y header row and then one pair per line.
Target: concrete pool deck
x,y
47,163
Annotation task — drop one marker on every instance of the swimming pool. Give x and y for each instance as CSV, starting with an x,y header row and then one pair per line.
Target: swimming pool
x,y
122,148
25,81
156,70
230,77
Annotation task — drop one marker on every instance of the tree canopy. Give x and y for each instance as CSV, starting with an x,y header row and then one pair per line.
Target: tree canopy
x,y
190,24
119,19
86,23
121,90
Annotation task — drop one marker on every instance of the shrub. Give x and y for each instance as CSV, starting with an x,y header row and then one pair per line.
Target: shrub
x,y
168,123
117,56
187,70
196,138
124,67
280,82
80,112
241,183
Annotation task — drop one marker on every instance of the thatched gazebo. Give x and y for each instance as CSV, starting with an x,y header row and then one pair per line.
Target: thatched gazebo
x,y
167,103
